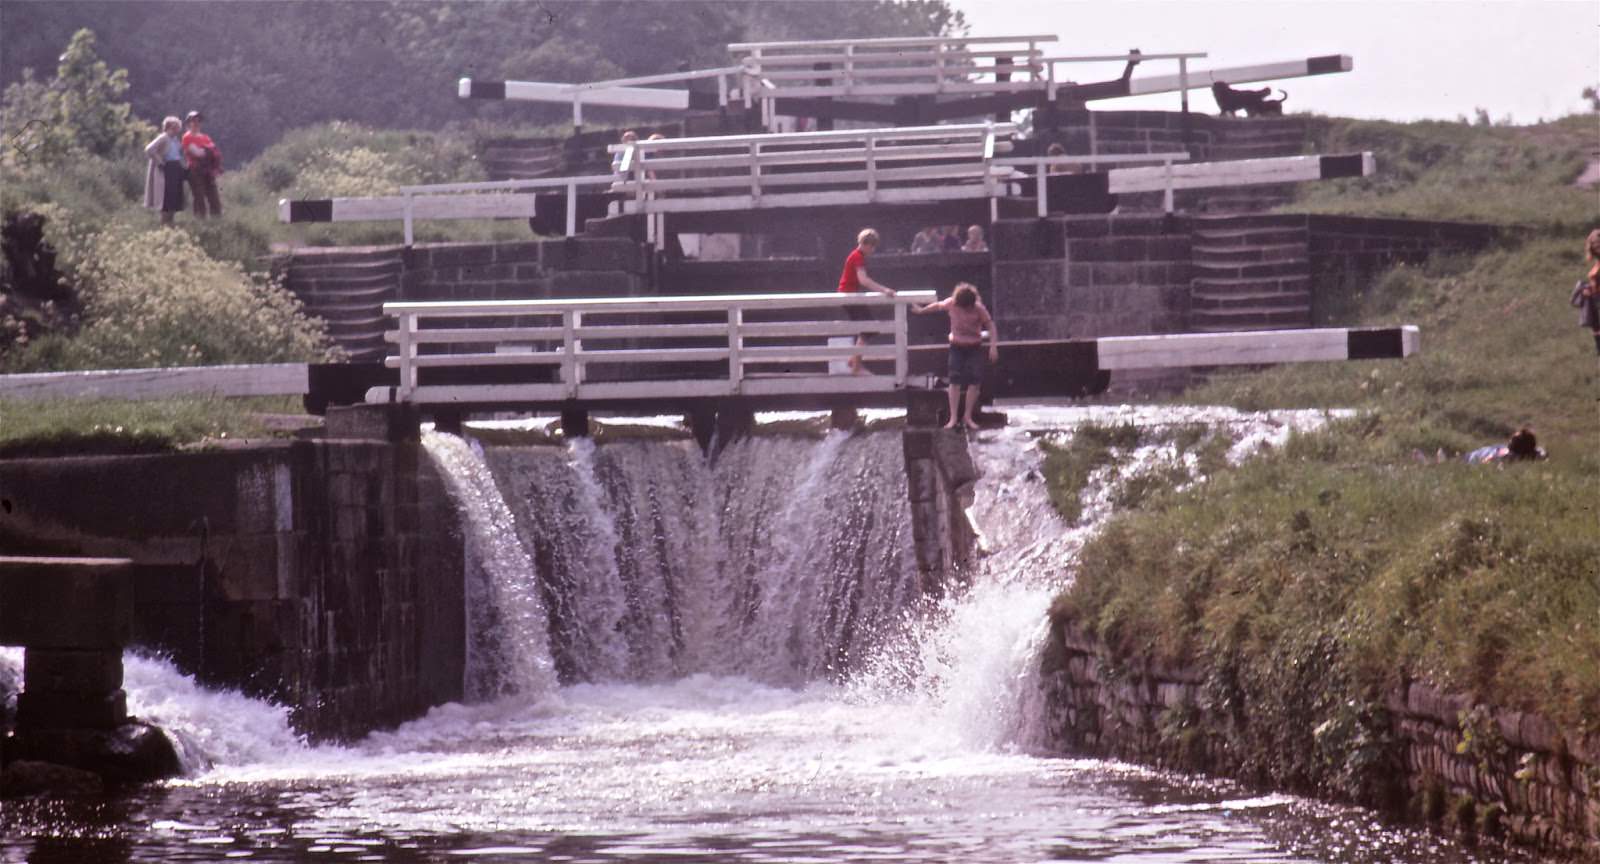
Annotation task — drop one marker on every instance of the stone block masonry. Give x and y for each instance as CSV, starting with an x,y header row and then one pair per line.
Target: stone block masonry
x,y
348,287
1081,277
73,616
1506,773
324,575
940,475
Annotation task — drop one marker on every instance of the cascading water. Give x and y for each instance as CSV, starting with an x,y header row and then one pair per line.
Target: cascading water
x,y
507,646
749,676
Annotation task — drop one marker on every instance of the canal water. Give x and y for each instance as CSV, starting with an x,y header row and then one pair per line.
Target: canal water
x,y
736,669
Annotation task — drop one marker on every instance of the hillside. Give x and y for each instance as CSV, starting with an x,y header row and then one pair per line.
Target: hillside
x,y
1314,579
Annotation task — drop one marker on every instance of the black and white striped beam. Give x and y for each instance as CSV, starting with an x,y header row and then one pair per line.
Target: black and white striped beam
x,y
390,208
1203,78
563,94
1255,347
1240,172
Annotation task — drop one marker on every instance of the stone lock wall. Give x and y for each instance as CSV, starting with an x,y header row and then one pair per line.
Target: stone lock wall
x,y
1483,770
324,575
1078,277
940,475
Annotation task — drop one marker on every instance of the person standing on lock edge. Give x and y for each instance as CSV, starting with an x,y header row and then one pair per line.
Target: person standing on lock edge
x,y
163,180
204,161
854,279
969,319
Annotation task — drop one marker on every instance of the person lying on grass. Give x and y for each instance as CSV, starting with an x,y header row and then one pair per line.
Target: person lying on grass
x,y
968,321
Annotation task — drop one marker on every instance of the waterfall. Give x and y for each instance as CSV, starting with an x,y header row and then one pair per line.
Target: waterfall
x,y
507,643
781,561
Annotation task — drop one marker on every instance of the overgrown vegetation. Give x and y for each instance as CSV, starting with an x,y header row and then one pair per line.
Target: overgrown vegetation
x,y
1312,580
68,427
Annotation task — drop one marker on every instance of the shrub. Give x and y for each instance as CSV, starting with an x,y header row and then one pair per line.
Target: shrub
x,y
154,298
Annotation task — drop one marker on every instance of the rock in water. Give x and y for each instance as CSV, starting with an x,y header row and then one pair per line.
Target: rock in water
x,y
26,777
134,752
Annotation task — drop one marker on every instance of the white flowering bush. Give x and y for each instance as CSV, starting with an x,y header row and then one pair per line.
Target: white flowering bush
x,y
153,297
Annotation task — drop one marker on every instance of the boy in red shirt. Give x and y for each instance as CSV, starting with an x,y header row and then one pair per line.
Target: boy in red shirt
x,y
968,321
204,161
854,278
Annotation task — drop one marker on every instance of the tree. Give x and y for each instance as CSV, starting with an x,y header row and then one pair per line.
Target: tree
x,y
1593,95
81,111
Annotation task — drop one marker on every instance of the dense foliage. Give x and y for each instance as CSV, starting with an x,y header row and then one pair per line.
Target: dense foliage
x,y
260,68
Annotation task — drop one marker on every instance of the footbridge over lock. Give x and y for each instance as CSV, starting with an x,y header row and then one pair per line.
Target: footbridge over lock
x,y
711,357
788,181
905,81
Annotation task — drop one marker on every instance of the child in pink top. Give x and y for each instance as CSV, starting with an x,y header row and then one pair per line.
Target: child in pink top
x,y
968,321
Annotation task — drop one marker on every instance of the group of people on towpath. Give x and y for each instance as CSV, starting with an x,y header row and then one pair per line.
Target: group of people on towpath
x,y
177,157
969,323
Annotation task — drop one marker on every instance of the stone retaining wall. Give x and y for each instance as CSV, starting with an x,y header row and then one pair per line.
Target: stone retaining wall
x,y
1079,277
325,575
1448,758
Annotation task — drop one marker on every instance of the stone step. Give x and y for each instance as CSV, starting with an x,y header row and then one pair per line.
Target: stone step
x,y
1252,300
1250,270
1245,253
1237,206
352,271
1249,318
1249,237
338,280
318,256
309,289
1228,285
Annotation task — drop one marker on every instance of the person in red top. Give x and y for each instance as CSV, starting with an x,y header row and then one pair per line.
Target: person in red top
x,y
854,279
204,161
968,321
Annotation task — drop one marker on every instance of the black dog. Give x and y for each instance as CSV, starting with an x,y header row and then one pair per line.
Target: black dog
x,y
1254,103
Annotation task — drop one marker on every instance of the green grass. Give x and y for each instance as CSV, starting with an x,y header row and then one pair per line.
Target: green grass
x,y
69,427
1500,348
1312,580
1459,172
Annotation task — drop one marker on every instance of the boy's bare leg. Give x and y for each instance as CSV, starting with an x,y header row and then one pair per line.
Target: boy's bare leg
x,y
855,362
955,405
972,405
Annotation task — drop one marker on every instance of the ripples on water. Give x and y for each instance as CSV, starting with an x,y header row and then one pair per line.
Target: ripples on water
x,y
924,753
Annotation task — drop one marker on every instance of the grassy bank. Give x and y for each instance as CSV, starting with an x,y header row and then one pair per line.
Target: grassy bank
x,y
1455,171
1311,580
69,427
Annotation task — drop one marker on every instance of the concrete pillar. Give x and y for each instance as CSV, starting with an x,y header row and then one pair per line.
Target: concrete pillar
x,y
844,418
702,422
396,421
574,422
735,419
72,616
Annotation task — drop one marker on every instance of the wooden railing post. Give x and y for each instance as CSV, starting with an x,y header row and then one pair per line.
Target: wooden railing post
x,y
1167,196
735,345
872,173
901,361
408,216
1043,190
408,354
572,209
569,352
755,170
